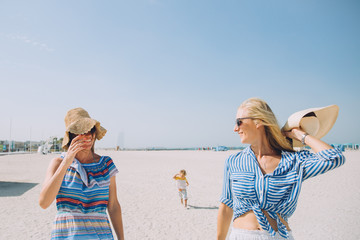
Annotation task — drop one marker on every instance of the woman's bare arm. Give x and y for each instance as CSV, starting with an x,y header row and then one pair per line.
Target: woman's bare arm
x,y
114,210
315,144
223,221
54,177
56,172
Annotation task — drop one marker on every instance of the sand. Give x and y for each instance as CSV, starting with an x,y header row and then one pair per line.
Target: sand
x,y
327,208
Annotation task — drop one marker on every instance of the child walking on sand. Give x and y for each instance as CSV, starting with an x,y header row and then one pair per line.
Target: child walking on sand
x,y
182,183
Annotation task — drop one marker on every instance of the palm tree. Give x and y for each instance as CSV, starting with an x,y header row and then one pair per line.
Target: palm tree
x,y
59,143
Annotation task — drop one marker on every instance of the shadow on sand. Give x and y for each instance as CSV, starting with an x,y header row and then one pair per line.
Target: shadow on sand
x,y
197,207
15,189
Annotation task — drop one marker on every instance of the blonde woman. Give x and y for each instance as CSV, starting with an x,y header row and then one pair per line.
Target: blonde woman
x,y
83,184
262,183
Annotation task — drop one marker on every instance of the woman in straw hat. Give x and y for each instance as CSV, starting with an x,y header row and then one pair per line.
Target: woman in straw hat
x,y
83,184
262,183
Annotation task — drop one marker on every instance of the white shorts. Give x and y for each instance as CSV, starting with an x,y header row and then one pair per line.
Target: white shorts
x,y
183,194
243,234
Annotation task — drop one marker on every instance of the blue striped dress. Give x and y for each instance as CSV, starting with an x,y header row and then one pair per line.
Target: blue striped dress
x,y
82,201
246,188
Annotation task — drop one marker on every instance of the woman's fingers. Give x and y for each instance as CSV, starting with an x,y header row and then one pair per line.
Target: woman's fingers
x,y
287,134
76,147
290,134
80,140
79,147
294,133
77,139
79,143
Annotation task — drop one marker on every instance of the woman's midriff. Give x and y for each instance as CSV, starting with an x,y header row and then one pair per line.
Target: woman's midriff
x,y
248,221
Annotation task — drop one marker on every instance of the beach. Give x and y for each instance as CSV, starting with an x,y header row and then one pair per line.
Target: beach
x,y
327,207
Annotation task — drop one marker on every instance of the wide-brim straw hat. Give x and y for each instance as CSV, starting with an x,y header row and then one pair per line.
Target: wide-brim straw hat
x,y
315,121
78,121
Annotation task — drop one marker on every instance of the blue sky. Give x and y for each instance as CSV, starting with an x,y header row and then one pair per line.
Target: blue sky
x,y
172,73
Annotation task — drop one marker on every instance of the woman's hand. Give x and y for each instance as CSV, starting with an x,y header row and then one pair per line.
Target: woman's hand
x,y
315,144
79,143
295,133
58,167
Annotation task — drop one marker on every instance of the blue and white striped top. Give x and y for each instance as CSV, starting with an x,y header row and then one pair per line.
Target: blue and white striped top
x,y
246,188
82,201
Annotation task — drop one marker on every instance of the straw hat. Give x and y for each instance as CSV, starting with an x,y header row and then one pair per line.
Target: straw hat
x,y
78,121
315,121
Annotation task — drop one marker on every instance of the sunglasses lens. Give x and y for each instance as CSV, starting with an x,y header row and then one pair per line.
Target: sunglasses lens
x,y
238,122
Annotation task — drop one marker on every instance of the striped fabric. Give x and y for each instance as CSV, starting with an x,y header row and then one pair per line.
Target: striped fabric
x,y
246,188
82,201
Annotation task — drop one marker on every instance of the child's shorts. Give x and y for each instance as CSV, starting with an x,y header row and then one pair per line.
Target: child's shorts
x,y
183,194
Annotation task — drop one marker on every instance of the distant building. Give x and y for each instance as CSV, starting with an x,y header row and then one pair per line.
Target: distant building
x,y
27,146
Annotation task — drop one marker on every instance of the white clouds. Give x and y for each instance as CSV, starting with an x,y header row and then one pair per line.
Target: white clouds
x,y
34,43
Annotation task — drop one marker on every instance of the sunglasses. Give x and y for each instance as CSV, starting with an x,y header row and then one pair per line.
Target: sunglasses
x,y
73,135
239,121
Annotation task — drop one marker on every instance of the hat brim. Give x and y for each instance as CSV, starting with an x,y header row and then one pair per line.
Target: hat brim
x,y
315,121
82,126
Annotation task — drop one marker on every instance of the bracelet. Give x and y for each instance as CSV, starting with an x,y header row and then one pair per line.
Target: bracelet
x,y
303,138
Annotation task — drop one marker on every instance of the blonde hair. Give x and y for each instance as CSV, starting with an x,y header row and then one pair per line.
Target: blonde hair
x,y
259,109
183,172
